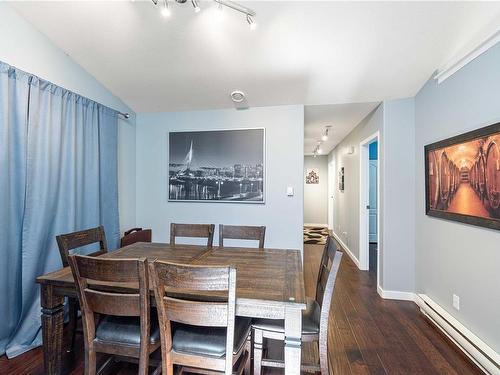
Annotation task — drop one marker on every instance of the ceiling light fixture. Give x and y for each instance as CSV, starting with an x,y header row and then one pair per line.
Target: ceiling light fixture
x,y
324,137
195,6
249,13
251,22
237,96
165,11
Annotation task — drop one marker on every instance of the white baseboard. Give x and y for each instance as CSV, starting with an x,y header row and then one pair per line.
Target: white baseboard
x,y
315,225
477,350
347,250
395,294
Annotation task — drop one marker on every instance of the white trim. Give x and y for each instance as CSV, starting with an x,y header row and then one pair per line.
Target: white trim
x,y
451,69
347,250
315,225
396,295
364,247
477,350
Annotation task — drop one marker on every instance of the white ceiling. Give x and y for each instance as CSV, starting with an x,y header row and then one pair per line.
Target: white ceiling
x,y
302,52
342,118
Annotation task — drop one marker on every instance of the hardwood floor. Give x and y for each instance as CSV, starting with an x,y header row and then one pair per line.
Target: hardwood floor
x,y
368,335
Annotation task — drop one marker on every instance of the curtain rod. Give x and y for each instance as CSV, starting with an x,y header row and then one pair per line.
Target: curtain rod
x,y
125,115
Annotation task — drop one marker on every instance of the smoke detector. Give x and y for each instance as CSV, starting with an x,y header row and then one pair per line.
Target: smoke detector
x,y
237,96
239,99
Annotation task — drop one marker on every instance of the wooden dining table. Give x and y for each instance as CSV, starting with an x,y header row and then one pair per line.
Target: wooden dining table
x,y
269,284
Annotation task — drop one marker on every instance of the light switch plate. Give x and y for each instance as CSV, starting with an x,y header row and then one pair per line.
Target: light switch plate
x,y
289,191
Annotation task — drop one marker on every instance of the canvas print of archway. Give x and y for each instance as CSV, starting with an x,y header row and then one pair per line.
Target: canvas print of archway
x,y
217,166
463,177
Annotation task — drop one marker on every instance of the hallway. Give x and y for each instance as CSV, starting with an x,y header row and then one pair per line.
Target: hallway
x,y
467,202
370,335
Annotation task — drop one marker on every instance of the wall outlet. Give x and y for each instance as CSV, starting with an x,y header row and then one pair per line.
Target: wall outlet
x,y
456,302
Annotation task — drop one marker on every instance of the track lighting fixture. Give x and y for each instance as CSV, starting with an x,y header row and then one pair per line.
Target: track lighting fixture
x,y
249,13
195,6
165,10
251,22
324,137
317,150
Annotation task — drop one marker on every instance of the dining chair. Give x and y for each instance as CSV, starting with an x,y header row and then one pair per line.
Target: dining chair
x,y
239,232
193,231
314,319
200,334
135,235
126,327
67,243
71,241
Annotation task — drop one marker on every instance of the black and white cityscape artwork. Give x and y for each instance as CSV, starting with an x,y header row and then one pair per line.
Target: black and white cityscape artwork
x,y
217,166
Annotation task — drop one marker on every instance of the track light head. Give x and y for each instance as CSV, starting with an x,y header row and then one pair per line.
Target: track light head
x,y
195,6
165,10
324,137
251,22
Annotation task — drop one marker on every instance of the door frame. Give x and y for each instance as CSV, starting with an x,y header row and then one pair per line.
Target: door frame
x,y
364,199
331,191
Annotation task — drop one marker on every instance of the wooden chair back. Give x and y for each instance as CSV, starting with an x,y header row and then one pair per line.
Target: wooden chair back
x,y
70,241
239,232
170,277
324,268
193,231
329,268
136,235
94,301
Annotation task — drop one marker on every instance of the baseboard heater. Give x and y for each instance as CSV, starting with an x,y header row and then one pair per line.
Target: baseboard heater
x,y
477,350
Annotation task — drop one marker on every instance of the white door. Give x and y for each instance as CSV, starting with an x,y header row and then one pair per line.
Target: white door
x,y
372,228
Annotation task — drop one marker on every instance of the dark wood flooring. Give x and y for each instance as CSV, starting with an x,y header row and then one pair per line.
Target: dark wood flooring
x,y
368,335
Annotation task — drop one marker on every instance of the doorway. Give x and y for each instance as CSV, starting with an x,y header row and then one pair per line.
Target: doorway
x,y
369,204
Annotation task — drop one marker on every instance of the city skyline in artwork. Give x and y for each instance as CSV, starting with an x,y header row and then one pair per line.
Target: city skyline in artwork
x,y
219,165
463,177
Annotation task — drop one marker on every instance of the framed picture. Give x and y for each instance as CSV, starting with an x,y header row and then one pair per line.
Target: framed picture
x,y
312,176
341,179
462,178
217,166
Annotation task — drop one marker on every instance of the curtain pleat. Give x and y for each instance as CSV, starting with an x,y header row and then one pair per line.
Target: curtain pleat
x,y
14,89
70,183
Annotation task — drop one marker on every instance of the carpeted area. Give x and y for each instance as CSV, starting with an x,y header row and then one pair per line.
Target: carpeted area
x,y
315,235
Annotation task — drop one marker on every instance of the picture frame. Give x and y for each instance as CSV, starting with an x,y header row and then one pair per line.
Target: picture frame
x,y
462,178
341,179
220,165
312,176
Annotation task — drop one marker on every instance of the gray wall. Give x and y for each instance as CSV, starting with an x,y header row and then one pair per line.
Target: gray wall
x,y
282,215
316,195
24,47
394,119
346,203
452,257
398,255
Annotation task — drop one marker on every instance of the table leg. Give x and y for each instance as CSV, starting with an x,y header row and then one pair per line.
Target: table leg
x,y
52,329
293,340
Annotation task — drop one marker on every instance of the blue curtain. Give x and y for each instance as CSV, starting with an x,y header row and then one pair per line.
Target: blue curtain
x,y
68,154
14,89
